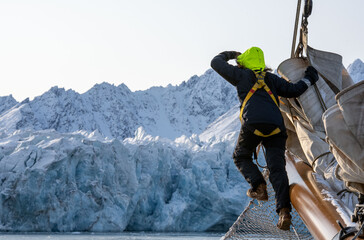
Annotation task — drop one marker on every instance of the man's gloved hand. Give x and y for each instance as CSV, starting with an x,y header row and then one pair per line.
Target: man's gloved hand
x,y
311,74
231,54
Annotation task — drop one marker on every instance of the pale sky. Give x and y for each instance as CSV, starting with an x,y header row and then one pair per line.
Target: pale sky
x,y
75,44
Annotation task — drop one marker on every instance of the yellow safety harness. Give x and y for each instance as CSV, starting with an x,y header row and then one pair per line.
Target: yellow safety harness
x,y
259,84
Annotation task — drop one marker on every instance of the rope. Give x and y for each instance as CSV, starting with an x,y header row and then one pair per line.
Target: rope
x,y
295,28
323,105
316,158
322,102
304,30
359,233
348,191
330,84
295,232
303,41
257,152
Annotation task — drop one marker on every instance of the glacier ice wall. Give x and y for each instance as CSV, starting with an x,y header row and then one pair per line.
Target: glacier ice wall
x,y
53,181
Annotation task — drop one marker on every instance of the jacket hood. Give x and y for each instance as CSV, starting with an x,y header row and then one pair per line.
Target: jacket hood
x,y
253,58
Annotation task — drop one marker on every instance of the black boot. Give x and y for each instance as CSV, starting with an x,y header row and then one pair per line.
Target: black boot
x,y
260,193
284,221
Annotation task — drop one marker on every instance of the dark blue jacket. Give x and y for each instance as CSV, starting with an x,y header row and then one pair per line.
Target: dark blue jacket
x,y
260,109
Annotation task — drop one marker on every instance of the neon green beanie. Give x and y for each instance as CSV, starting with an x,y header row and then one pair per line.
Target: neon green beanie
x,y
253,58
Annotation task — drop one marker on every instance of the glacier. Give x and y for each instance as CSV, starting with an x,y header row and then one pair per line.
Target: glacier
x,y
53,181
112,160
70,162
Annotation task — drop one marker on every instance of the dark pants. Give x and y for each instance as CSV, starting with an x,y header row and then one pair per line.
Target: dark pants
x,y
275,158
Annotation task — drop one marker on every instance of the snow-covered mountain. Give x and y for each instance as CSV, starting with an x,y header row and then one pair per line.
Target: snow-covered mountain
x,y
356,70
6,103
109,159
116,112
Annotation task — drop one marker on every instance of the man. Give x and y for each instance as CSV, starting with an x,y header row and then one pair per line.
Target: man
x,y
262,122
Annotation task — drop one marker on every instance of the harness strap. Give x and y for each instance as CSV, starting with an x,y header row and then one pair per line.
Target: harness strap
x,y
259,133
259,84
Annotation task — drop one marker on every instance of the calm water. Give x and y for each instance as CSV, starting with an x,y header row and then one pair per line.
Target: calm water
x,y
119,236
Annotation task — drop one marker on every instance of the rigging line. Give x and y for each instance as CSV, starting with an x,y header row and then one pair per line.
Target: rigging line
x,y
330,84
260,146
323,105
319,96
359,232
348,191
295,232
304,33
318,157
295,29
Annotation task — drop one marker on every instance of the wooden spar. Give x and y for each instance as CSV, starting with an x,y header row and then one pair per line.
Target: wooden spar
x,y
319,215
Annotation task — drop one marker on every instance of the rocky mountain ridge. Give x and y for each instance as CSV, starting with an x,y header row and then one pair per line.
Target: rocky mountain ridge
x,y
116,112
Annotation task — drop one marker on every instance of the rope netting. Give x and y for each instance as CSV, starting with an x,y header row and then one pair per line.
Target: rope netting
x,y
259,220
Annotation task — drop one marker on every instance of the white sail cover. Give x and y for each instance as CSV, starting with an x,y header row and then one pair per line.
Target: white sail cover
x,y
344,124
326,123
